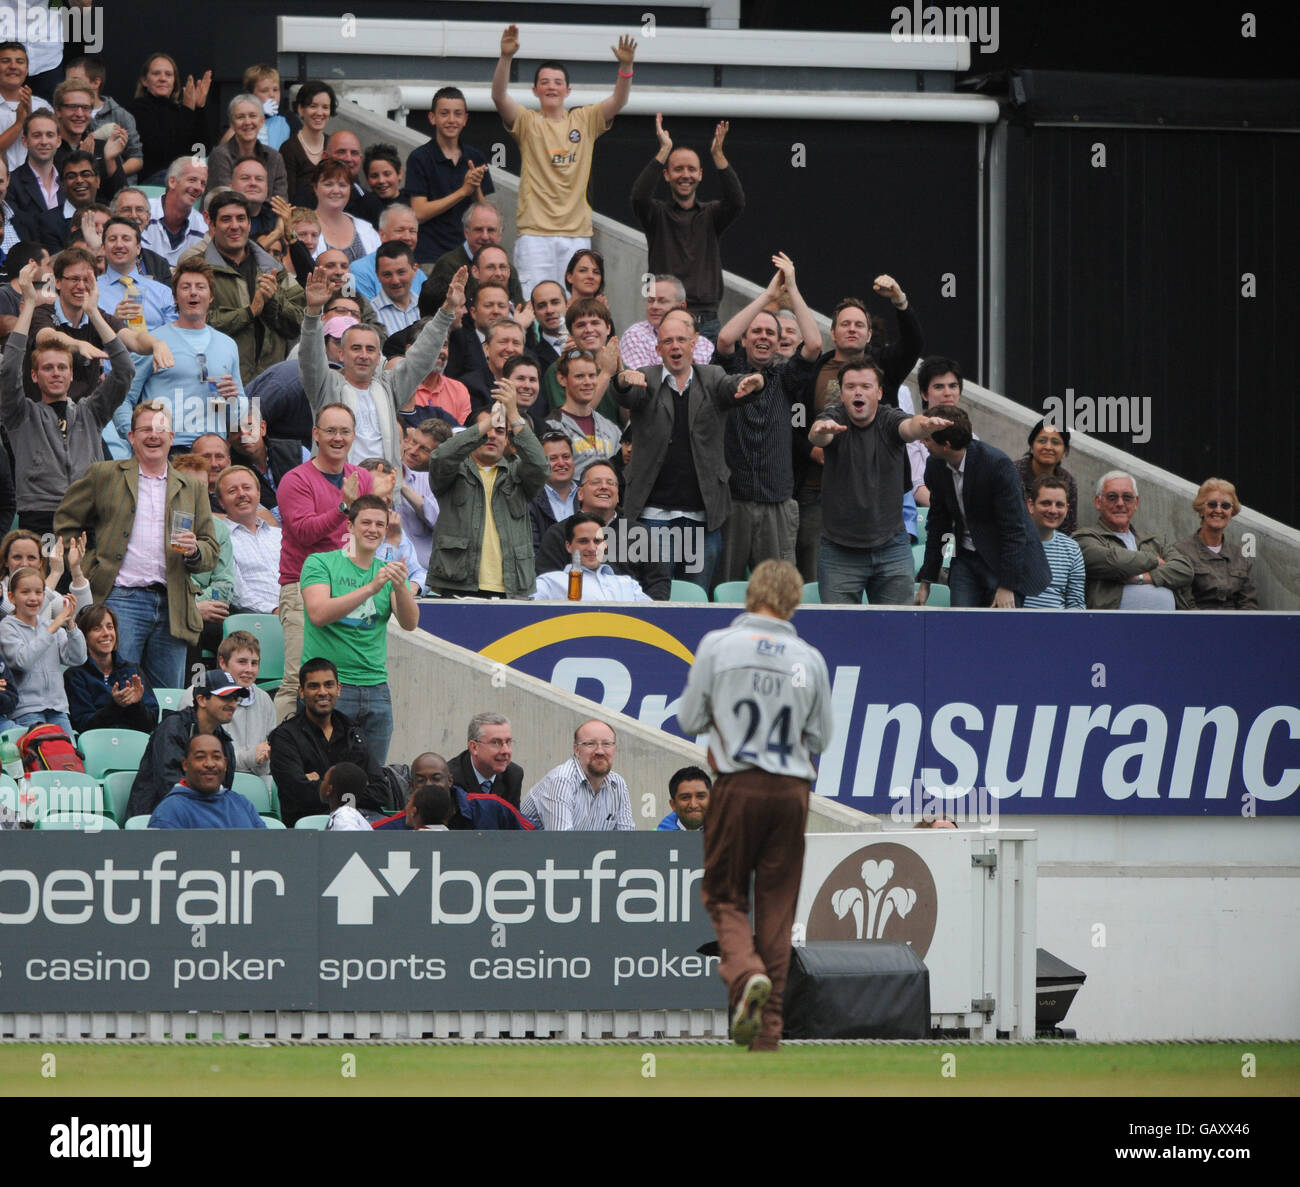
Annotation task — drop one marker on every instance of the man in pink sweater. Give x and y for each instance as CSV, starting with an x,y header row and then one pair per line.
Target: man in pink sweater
x,y
313,500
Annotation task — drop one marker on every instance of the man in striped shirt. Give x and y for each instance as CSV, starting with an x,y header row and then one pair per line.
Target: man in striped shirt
x,y
1048,506
396,304
583,794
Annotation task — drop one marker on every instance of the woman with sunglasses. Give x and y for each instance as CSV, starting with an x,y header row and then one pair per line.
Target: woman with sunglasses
x,y
1223,578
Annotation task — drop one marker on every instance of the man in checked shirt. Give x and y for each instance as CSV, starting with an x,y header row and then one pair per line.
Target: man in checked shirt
x,y
765,698
583,794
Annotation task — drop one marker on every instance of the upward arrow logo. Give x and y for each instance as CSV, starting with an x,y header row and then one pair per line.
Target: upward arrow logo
x,y
356,888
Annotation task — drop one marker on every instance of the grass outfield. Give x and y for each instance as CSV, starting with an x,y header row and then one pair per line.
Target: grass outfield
x,y
1052,1069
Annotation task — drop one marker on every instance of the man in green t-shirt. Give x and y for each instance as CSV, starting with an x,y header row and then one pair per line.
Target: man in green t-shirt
x,y
349,595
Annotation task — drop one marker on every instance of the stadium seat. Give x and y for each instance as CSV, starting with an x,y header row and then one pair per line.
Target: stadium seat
x,y
685,591
312,822
731,591
812,594
939,595
106,751
152,191
117,792
252,788
922,517
90,822
270,634
140,821
272,821
169,699
69,793
13,734
918,556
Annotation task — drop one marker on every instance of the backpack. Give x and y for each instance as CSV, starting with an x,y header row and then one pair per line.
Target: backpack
x,y
48,748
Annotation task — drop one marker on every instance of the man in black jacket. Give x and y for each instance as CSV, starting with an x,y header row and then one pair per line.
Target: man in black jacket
x,y
306,745
216,698
974,499
484,767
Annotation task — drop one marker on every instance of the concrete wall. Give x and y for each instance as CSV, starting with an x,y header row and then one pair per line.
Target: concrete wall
x,y
437,687
1166,499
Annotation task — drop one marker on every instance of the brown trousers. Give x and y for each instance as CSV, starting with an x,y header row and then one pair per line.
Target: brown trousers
x,y
755,829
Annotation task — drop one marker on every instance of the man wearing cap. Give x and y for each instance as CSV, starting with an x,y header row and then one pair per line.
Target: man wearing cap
x,y
216,697
202,799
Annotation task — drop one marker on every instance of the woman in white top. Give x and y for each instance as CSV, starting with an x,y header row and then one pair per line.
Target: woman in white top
x,y
340,231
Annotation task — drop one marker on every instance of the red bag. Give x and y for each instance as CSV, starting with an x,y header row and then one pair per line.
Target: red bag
x,y
48,748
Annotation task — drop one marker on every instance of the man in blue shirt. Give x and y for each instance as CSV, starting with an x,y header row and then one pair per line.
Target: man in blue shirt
x,y
202,390
124,282
200,800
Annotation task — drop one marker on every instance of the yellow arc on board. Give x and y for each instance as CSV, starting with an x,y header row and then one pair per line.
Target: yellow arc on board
x,y
564,627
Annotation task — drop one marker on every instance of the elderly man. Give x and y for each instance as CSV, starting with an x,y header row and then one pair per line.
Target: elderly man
x,y
255,300
485,764
133,205
1125,569
152,528
373,395
481,225
638,345
583,794
254,542
174,225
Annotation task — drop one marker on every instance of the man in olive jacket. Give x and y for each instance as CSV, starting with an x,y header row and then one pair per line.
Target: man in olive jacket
x,y
483,544
255,300
141,558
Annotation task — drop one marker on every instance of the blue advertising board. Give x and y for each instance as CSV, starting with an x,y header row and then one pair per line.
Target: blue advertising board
x,y
1042,712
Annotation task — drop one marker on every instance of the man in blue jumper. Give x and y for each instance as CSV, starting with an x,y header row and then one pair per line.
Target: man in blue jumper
x,y
200,800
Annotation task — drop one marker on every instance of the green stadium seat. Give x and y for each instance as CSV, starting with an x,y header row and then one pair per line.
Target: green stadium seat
x,y
13,734
940,595
312,822
152,191
918,556
922,518
272,821
688,591
252,788
169,699
812,594
110,750
270,634
69,793
117,792
90,822
141,821
731,591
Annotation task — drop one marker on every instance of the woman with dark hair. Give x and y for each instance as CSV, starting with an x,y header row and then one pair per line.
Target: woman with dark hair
x,y
106,692
168,116
1222,575
340,231
585,274
316,103
1048,448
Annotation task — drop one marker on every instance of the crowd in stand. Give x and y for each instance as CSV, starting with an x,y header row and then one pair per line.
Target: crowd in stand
x,y
301,376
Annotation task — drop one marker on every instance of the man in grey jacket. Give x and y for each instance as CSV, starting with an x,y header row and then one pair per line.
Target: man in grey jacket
x,y
57,440
373,395
678,478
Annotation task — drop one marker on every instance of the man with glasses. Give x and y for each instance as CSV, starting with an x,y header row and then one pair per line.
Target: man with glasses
x,y
1125,569
74,104
484,767
583,794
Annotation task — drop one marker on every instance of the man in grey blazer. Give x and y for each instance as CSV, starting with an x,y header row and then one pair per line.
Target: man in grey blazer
x,y
677,481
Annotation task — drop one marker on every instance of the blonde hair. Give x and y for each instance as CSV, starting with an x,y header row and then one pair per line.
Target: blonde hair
x,y
775,586
1211,484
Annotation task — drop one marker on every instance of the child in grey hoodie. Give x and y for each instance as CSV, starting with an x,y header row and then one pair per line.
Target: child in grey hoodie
x,y
37,650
